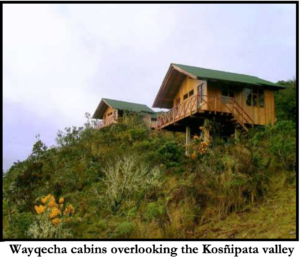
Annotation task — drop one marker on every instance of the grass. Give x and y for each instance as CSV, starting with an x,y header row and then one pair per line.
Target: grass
x,y
273,218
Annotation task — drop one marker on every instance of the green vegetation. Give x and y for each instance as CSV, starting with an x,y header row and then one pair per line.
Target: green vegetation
x,y
127,181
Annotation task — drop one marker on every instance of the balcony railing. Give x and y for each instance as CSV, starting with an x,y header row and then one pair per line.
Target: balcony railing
x,y
105,122
200,104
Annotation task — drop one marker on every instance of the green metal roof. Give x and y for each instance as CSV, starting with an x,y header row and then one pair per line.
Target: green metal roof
x,y
154,115
128,106
226,76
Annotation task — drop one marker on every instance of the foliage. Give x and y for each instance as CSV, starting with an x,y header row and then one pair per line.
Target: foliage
x,y
280,140
127,176
286,101
50,219
171,153
127,181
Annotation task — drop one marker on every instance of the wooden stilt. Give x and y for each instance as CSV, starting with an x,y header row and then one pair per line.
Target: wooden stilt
x,y
187,140
206,130
237,135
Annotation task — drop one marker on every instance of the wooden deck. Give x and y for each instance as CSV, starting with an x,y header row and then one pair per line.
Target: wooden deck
x,y
105,122
203,104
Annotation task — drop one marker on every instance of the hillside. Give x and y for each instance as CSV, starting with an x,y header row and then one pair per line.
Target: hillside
x,y
127,181
275,217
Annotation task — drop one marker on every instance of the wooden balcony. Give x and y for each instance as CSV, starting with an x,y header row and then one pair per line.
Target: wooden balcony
x,y
203,104
105,122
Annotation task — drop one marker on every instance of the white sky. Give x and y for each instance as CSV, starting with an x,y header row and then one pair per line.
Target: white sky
x,y
60,60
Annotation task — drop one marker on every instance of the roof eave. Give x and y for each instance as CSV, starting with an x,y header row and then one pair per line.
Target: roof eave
x,y
98,114
165,83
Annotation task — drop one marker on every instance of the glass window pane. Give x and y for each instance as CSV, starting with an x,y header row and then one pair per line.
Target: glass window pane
x,y
224,99
248,97
191,93
261,100
260,91
225,93
255,100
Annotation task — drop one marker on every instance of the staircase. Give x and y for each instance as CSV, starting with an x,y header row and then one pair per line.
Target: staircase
x,y
241,119
207,104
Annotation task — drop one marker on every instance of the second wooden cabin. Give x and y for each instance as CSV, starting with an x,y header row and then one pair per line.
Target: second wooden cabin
x,y
111,111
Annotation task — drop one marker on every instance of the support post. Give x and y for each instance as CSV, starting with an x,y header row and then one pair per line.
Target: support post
x,y
237,135
187,140
206,131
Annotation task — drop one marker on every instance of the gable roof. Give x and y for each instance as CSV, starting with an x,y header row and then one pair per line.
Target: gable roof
x,y
120,105
203,73
178,72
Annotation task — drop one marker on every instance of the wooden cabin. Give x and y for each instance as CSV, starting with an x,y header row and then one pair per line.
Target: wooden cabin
x,y
110,111
193,94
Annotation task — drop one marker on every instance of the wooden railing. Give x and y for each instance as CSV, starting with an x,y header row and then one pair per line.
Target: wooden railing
x,y
105,122
199,103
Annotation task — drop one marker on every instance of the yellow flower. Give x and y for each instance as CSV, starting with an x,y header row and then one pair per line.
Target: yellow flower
x,y
196,137
54,213
61,206
61,200
193,156
69,210
56,221
52,203
39,209
45,199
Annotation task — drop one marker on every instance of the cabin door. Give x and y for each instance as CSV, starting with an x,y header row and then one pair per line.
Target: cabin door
x,y
200,94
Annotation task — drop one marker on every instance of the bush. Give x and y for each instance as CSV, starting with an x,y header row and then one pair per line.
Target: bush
x,y
154,210
171,154
124,229
125,177
280,141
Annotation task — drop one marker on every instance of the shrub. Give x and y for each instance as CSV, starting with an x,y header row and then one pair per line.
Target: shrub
x,y
125,177
171,153
280,140
51,216
124,229
154,210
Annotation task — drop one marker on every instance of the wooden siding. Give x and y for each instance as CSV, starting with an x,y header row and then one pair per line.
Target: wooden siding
x,y
110,116
260,115
187,85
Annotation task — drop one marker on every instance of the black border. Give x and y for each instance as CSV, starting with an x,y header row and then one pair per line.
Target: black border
x,y
174,2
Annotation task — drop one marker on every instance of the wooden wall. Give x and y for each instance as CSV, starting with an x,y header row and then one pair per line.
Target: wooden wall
x,y
187,85
146,117
108,111
260,115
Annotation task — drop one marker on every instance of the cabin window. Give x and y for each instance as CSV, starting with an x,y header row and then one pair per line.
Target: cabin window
x,y
255,97
185,96
153,119
226,95
191,93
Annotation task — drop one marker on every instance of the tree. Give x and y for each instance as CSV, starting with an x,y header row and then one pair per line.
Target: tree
x,y
286,101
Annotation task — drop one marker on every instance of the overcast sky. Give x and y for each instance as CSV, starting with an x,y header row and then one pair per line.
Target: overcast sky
x,y
60,60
